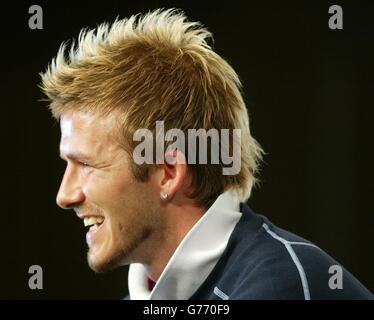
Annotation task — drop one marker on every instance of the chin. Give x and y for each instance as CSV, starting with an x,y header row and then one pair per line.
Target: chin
x,y
102,264
111,255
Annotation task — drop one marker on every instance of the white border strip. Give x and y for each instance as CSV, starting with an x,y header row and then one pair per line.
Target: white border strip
x,y
220,294
294,257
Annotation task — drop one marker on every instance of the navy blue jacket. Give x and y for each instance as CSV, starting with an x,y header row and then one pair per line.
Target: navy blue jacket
x,y
262,261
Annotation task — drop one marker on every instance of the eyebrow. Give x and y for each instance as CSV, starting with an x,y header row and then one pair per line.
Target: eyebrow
x,y
77,156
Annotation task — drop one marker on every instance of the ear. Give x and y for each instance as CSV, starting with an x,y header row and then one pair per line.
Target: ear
x,y
172,174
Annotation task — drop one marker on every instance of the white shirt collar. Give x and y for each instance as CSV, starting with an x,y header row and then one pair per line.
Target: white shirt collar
x,y
194,258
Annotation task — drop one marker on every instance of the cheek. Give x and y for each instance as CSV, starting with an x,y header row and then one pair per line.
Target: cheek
x,y
93,190
108,191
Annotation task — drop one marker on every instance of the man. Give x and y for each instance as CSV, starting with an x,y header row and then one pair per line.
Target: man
x,y
182,226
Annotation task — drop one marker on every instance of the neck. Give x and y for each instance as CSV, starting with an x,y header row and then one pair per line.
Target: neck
x,y
180,220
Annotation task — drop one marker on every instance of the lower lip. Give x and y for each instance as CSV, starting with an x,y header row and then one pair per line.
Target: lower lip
x,y
93,233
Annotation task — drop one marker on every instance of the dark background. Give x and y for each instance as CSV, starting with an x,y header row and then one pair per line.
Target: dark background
x,y
309,91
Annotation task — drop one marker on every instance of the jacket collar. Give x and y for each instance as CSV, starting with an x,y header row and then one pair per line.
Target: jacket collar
x,y
194,258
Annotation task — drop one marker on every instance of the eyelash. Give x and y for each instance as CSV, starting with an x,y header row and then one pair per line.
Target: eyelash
x,y
84,164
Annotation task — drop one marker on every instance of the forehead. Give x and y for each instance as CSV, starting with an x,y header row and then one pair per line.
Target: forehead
x,y
86,132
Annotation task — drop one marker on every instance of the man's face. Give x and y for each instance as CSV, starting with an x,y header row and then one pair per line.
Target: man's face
x,y
99,186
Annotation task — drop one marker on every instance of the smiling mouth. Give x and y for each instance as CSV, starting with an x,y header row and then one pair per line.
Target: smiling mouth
x,y
94,223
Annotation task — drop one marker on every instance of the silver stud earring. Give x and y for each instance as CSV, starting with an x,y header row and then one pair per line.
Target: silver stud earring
x,y
164,195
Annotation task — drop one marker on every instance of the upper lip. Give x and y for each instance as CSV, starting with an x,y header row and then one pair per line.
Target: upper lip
x,y
83,216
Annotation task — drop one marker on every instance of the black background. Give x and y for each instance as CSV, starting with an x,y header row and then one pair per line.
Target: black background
x,y
309,91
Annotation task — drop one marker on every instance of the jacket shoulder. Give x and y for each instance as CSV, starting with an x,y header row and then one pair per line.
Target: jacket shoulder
x,y
263,261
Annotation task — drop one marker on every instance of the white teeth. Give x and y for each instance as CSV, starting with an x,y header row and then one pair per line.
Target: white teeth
x,y
89,221
92,221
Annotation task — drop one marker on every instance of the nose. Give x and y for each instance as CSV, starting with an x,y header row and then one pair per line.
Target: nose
x,y
70,193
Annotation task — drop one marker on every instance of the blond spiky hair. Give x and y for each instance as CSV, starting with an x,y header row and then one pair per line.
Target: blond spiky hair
x,y
155,67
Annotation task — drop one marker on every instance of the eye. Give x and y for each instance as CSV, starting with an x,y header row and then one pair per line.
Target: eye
x,y
85,165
